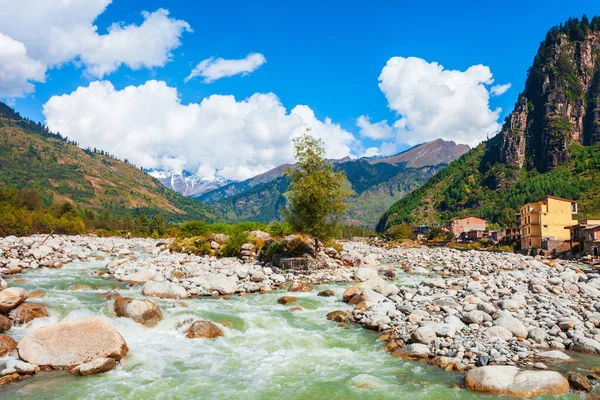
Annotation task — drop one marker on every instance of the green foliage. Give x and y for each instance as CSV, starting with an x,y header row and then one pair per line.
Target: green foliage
x,y
351,231
401,231
278,229
440,234
316,199
277,247
191,245
233,246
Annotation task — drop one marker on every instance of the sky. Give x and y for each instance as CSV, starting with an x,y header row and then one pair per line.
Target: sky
x,y
221,88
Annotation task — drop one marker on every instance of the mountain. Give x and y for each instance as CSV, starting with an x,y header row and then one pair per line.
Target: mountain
x,y
375,183
32,156
186,183
548,145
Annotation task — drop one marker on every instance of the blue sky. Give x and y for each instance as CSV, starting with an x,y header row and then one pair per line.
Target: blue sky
x,y
326,55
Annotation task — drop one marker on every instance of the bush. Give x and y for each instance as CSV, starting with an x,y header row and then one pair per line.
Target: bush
x,y
401,231
233,247
194,245
440,234
274,248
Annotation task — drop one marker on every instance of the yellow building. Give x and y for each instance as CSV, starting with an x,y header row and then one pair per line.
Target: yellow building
x,y
543,223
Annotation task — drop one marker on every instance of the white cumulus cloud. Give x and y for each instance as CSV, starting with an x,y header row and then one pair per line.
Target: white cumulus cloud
x,y
17,69
148,125
212,69
376,131
433,102
56,32
499,90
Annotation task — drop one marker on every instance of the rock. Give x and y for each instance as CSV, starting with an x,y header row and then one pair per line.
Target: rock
x,y
499,332
476,317
258,276
554,355
537,335
27,312
423,335
138,277
7,344
579,382
586,345
412,351
220,283
145,312
97,366
299,287
21,367
326,293
71,343
337,316
5,380
220,238
11,298
351,292
364,274
512,381
515,326
36,294
5,323
203,329
80,288
164,290
287,299
539,365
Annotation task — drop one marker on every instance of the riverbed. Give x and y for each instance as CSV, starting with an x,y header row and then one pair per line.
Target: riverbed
x,y
268,352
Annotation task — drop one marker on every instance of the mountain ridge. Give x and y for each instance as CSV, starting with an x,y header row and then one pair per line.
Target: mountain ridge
x,y
548,145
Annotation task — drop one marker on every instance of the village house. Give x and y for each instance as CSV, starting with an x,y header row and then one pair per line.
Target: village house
x,y
543,223
459,226
584,235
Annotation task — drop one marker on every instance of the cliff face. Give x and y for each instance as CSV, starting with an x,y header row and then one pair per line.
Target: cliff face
x,y
559,105
548,145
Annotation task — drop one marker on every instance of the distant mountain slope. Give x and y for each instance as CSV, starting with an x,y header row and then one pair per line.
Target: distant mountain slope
x,y
548,145
31,156
186,183
375,185
431,153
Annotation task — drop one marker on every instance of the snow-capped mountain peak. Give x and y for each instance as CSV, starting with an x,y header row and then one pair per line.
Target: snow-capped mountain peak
x,y
186,183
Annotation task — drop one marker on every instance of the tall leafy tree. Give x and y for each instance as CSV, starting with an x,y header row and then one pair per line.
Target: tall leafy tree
x,y
315,195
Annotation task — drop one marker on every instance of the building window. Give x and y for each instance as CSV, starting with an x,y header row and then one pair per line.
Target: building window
x,y
545,226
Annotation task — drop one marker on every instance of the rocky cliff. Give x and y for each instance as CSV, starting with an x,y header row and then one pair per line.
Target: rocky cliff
x,y
548,145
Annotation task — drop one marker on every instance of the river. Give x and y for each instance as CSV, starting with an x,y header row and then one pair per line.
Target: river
x,y
268,351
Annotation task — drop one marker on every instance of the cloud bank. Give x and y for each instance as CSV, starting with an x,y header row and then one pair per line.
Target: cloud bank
x,y
148,125
433,102
38,35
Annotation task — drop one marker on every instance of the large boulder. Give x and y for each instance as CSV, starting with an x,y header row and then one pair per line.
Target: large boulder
x,y
586,345
137,277
145,312
71,343
7,344
513,381
164,290
423,335
11,298
299,287
515,326
220,283
27,312
203,329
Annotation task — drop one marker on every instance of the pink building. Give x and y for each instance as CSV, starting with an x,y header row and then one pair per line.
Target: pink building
x,y
467,224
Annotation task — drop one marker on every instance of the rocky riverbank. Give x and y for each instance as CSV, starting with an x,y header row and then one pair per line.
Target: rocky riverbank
x,y
475,308
470,308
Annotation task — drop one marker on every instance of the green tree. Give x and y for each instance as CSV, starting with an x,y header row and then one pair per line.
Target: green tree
x,y
158,225
141,224
401,231
315,195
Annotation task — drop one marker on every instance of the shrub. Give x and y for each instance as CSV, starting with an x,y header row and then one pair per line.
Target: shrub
x,y
233,247
401,231
195,245
275,248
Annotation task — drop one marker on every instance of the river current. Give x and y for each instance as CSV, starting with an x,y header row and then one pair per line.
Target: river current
x,y
268,351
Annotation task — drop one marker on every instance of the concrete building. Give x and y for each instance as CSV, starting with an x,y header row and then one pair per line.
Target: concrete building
x,y
585,236
543,222
467,224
